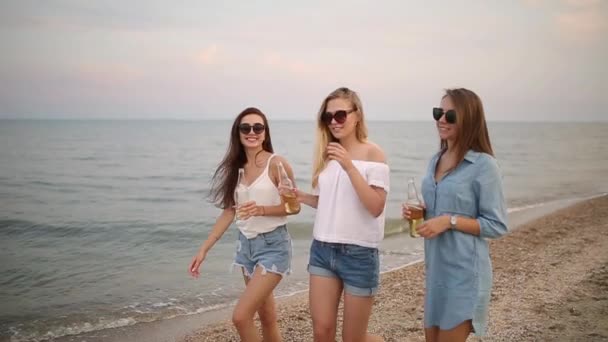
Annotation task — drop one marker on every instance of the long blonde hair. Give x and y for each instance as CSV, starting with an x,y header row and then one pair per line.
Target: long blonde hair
x,y
324,136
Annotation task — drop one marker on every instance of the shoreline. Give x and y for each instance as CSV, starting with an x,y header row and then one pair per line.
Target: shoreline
x,y
562,275
216,322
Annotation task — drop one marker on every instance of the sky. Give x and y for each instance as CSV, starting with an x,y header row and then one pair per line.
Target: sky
x,y
528,60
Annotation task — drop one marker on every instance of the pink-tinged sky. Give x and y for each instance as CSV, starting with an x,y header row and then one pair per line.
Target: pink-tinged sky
x,y
528,60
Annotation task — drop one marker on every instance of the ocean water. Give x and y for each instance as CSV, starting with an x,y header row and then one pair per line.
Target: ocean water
x,y
100,219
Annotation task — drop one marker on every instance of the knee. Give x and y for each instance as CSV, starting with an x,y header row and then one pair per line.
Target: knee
x,y
240,318
268,315
324,332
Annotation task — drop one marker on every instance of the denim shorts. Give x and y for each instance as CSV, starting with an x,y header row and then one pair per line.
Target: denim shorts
x,y
358,267
271,251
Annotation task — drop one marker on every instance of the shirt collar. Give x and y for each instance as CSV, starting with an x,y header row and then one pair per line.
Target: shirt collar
x,y
471,156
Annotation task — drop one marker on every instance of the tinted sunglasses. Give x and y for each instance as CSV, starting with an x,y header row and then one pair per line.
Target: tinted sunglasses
x,y
339,116
450,115
246,128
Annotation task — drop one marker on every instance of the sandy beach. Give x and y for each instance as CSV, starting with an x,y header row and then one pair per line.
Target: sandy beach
x,y
550,284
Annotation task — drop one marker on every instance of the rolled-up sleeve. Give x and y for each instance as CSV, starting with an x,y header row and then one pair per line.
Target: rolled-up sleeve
x,y
492,215
378,175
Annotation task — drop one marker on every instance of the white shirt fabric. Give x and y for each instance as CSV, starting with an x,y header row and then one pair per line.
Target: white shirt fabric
x,y
264,192
341,217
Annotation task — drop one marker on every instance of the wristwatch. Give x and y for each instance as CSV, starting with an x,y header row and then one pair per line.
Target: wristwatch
x,y
453,222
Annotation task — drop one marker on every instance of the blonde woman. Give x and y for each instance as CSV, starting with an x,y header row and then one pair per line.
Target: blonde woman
x,y
350,182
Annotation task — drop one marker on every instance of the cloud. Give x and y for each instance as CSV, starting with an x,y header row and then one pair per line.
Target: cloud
x,y
279,62
582,3
582,21
209,55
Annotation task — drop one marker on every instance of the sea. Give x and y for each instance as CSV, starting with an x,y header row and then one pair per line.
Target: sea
x,y
99,219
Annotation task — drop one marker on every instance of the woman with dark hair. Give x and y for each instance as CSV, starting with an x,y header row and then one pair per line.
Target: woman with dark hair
x,y
465,206
264,245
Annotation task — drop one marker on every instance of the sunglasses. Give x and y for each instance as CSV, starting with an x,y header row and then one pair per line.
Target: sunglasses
x,y
339,116
450,115
246,128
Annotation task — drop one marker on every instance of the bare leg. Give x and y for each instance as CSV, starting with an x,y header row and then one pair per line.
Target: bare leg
x,y
268,318
431,334
257,291
458,334
324,298
357,310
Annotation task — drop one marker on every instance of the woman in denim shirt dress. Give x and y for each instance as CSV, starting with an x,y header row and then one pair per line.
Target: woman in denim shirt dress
x,y
465,206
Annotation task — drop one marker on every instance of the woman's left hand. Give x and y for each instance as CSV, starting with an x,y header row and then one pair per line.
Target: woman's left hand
x,y
249,209
337,152
433,227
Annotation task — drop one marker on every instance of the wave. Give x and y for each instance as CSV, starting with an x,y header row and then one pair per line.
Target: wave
x,y
155,199
19,335
60,186
541,204
171,308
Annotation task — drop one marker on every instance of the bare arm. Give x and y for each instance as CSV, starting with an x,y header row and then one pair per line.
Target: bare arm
x,y
308,199
372,197
219,228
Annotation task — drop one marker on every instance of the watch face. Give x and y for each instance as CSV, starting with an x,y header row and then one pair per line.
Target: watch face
x,y
453,220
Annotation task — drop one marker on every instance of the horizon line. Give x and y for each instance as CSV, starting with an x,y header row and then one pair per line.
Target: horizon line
x,y
273,119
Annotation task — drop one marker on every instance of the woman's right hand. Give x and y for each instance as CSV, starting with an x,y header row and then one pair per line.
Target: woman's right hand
x,y
406,213
301,196
285,190
195,264
306,198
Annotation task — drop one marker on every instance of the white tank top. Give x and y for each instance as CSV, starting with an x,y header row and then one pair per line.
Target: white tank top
x,y
264,192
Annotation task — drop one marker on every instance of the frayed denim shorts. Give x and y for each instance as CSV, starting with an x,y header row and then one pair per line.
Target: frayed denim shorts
x,y
271,251
358,267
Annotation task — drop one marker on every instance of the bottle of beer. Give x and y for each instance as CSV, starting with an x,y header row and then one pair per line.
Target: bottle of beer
x,y
289,197
414,204
241,192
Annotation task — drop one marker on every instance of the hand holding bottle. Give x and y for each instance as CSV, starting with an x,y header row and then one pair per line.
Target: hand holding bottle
x,y
413,208
406,212
241,194
249,209
287,191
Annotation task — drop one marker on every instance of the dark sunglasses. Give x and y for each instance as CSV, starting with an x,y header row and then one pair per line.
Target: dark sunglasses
x,y
339,116
246,128
450,115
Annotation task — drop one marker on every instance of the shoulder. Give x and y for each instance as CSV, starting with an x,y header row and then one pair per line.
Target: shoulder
x,y
486,160
276,160
488,166
375,153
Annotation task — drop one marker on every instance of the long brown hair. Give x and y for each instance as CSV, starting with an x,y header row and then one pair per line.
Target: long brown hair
x,y
226,175
471,122
324,136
